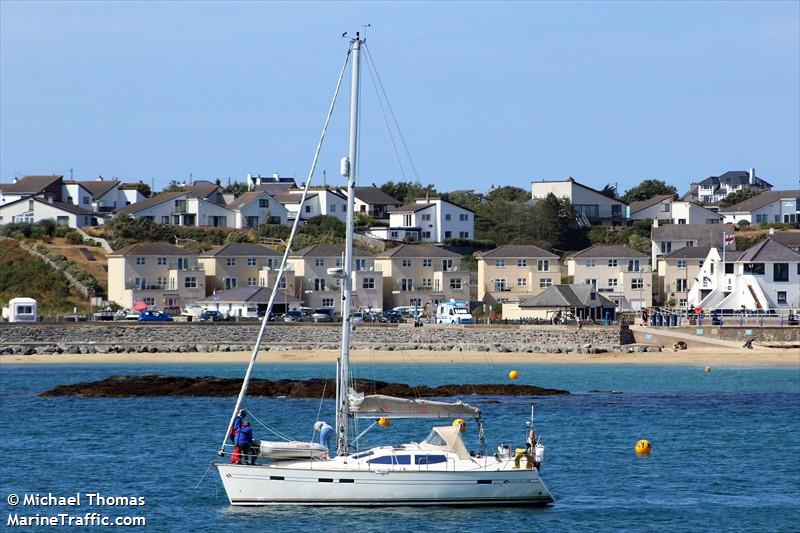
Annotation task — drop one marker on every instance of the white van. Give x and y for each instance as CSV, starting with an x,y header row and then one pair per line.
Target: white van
x,y
453,312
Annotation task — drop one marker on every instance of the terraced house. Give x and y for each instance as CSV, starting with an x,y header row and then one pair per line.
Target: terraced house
x,y
621,274
511,272
320,288
677,272
244,265
421,275
159,274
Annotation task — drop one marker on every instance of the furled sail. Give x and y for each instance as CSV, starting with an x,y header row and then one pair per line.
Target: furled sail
x,y
380,406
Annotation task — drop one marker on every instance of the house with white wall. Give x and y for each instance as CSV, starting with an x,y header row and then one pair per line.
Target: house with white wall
x,y
713,189
621,274
433,220
667,238
591,206
764,277
47,187
32,209
319,201
767,207
373,201
665,208
200,204
255,208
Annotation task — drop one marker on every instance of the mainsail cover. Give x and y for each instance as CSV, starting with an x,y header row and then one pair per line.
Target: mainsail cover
x,y
380,406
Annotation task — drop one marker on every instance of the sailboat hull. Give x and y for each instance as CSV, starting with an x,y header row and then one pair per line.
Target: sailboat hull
x,y
274,485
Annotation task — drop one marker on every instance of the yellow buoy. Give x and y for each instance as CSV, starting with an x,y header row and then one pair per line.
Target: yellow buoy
x,y
513,374
384,422
460,423
708,369
643,447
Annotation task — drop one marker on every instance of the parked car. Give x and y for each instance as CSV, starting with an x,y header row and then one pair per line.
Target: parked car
x,y
271,318
172,310
212,316
293,316
149,315
392,317
324,315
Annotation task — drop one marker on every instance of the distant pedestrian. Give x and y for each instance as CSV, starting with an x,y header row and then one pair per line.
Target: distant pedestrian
x,y
579,322
244,441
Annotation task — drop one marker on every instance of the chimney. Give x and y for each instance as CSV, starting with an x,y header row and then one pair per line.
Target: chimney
x,y
752,176
15,179
655,222
99,178
276,175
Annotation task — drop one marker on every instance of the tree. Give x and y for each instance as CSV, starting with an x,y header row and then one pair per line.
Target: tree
x,y
144,188
174,186
610,191
407,191
648,189
508,194
739,196
467,199
236,188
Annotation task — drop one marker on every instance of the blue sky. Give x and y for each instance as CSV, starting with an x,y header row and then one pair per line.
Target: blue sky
x,y
485,93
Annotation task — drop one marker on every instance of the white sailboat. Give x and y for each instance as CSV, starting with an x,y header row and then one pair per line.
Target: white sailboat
x,y
439,470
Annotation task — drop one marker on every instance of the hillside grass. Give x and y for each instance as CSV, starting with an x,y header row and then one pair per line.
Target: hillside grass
x,y
22,275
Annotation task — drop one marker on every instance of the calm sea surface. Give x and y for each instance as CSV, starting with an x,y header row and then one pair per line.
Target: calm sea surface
x,y
726,448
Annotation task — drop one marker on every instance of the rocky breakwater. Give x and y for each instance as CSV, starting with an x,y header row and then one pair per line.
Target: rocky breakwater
x,y
161,385
202,337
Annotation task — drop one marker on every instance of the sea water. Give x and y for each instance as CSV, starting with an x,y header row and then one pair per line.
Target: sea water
x,y
725,448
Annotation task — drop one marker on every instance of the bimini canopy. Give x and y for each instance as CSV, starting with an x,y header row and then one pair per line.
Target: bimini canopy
x,y
446,439
380,406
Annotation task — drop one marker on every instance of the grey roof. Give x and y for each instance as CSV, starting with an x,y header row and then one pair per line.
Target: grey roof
x,y
241,250
416,250
374,196
30,184
413,207
517,250
603,250
244,199
292,198
202,189
64,206
703,234
559,296
257,295
327,250
153,201
787,238
769,250
689,252
152,248
733,178
644,204
765,198
99,187
275,188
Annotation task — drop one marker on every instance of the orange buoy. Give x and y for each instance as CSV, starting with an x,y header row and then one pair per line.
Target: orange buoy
x,y
643,447
461,424
513,375
384,422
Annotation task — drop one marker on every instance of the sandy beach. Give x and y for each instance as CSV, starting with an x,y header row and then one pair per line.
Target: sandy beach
x,y
701,357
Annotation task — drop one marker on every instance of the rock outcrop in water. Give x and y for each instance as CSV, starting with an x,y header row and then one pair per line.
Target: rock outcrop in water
x,y
161,385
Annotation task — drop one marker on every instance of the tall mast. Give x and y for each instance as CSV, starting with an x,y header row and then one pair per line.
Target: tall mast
x,y
348,171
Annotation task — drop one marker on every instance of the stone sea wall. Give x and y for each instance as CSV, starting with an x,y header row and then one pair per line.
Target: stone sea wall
x,y
194,337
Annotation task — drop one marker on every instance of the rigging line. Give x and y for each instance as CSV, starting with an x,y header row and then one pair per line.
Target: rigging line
x,y
391,111
386,121
284,261
268,428
324,387
204,476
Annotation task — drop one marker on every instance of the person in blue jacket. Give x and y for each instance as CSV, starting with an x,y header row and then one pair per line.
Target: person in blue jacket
x,y
244,441
237,423
326,433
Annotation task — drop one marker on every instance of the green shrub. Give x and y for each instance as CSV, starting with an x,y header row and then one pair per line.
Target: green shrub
x,y
74,238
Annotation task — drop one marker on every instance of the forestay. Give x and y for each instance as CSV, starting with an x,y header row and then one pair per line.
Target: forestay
x,y
380,406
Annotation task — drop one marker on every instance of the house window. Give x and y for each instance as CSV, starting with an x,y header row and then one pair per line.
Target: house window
x,y
308,209
761,219
251,261
691,244
543,265
139,284
406,220
230,261
522,262
612,282
427,263
87,200
500,284
545,283
680,284
416,302
361,264
231,283
263,202
522,282
161,261
637,283
170,302
455,284
161,282
463,234
368,283
463,217
426,234
729,268
755,269
395,234
780,272
447,217
682,263
165,219
183,263
711,267
140,260
448,234
682,302
318,262
499,263
406,285
781,297
190,282
612,263
338,262
666,247
427,283
150,301
633,265
591,263
319,284
252,282
327,302
592,282
447,265
282,284
426,217
333,208
405,262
